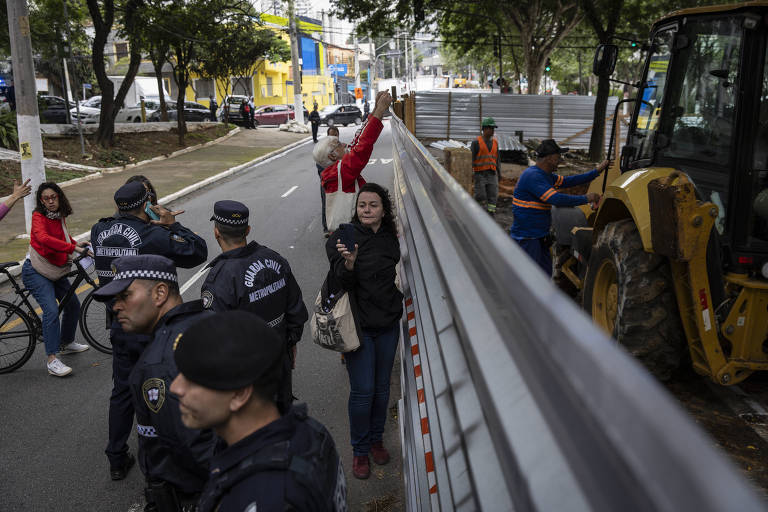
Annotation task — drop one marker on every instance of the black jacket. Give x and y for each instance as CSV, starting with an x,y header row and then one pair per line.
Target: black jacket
x,y
168,450
376,301
314,117
257,279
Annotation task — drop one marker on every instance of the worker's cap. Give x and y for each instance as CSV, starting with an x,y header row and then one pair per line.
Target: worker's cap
x,y
230,213
127,268
131,195
549,147
231,350
489,122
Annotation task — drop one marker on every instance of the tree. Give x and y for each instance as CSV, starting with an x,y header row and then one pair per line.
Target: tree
x,y
238,51
103,17
540,25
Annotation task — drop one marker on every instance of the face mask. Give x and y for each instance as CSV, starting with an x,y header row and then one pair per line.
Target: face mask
x,y
150,213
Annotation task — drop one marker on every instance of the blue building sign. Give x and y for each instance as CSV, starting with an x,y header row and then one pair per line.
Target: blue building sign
x,y
337,69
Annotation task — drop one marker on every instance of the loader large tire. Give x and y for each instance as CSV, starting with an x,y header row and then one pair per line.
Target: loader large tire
x,y
630,294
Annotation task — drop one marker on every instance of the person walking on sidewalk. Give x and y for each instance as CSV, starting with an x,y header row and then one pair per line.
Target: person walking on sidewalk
x,y
536,192
314,119
368,271
251,112
212,107
44,274
138,227
254,278
332,132
486,166
350,160
19,191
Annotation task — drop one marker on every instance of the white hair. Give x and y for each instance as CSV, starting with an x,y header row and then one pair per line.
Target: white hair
x,y
323,147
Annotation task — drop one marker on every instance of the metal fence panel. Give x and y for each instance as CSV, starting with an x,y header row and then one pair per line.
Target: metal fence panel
x,y
568,118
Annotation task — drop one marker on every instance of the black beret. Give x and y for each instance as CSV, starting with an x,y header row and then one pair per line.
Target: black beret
x,y
151,267
131,195
231,213
549,147
230,350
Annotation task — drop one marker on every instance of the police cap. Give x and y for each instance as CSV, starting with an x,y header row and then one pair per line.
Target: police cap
x,y
127,268
131,195
549,147
230,213
230,350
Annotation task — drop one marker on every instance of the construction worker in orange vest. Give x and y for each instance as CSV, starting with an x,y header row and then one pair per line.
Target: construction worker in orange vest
x,y
486,166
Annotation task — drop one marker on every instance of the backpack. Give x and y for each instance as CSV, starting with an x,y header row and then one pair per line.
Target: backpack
x,y
316,472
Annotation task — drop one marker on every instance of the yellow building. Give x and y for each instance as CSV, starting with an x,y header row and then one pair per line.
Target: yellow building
x,y
272,82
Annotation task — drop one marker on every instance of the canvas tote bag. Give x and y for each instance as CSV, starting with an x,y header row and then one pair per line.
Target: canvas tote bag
x,y
332,323
339,205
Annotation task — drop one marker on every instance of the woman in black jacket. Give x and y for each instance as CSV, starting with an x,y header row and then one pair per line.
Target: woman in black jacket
x,y
367,272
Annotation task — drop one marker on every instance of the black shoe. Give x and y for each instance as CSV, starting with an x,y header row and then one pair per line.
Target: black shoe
x,y
120,472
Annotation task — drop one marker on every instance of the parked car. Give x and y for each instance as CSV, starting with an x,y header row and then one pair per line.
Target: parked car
x,y
232,104
89,111
192,112
272,114
341,114
53,109
133,114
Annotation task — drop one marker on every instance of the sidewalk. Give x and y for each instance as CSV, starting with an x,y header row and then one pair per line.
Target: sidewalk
x,y
93,199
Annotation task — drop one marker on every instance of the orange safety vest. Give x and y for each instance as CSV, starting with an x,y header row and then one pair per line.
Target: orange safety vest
x,y
485,160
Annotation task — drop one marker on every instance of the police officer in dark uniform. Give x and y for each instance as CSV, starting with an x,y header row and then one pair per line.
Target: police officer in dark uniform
x,y
131,231
271,462
254,278
173,458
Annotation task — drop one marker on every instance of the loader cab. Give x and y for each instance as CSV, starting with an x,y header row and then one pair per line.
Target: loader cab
x,y
702,107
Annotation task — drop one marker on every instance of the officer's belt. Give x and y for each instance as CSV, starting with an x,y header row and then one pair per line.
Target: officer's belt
x,y
146,430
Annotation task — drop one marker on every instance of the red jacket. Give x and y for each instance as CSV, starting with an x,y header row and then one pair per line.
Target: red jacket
x,y
354,161
48,239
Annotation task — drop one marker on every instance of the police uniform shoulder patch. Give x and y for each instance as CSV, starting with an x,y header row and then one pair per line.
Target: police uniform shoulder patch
x,y
153,392
207,298
176,341
177,238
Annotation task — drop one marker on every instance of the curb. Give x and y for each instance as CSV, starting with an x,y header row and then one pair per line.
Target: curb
x,y
232,171
99,172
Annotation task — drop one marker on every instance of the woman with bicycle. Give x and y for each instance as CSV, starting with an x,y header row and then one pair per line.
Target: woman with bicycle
x,y
44,274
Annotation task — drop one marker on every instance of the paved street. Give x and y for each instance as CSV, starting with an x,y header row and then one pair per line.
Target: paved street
x,y
53,431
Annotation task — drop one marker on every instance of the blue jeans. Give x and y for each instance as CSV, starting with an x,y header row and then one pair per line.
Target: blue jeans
x,y
46,292
538,250
370,368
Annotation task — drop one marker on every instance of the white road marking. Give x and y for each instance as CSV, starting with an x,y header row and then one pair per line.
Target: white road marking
x,y
371,161
290,190
192,280
386,160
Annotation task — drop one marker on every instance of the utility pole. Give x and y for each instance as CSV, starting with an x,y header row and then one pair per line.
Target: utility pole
x,y
66,74
357,70
30,141
298,103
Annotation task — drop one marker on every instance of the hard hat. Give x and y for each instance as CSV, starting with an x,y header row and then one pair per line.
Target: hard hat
x,y
488,121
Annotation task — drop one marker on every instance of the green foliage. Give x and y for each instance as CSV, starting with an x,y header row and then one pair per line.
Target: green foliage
x,y
9,137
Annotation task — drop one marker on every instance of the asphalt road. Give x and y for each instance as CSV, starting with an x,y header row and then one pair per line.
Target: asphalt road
x,y
53,431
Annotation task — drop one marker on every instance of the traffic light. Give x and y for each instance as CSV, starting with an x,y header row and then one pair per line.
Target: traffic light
x,y
633,44
548,67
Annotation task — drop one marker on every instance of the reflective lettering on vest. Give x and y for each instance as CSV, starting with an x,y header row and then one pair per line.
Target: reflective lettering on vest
x,y
485,160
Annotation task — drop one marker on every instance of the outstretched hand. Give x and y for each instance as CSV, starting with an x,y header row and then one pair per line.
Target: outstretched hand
x,y
167,217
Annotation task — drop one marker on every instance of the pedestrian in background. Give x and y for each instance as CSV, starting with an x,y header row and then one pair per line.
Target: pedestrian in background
x,y
231,390
147,300
368,271
44,274
332,132
212,107
245,114
366,110
352,159
139,226
314,119
252,277
536,192
486,166
251,112
19,191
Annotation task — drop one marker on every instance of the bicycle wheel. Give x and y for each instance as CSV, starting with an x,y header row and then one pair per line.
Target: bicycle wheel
x,y
93,324
17,337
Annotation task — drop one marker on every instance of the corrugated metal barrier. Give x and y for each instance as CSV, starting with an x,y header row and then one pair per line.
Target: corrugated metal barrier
x,y
452,115
512,398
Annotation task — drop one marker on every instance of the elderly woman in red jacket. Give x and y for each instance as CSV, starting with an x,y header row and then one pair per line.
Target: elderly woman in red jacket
x,y
354,158
50,249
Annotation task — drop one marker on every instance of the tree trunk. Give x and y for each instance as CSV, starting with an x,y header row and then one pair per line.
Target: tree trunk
x,y
157,63
101,27
597,140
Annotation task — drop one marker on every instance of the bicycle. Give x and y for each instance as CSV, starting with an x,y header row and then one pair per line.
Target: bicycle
x,y
21,327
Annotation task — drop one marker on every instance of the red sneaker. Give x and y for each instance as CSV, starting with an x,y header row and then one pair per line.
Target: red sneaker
x,y
361,467
380,454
